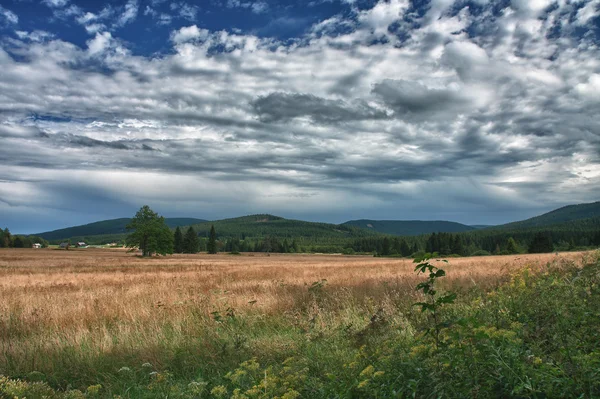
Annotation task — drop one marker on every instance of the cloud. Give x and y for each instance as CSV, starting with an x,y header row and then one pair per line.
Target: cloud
x,y
589,11
409,97
100,43
34,36
55,3
189,33
8,17
185,10
129,14
370,113
277,107
257,7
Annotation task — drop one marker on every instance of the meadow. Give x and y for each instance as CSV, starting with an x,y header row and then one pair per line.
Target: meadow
x,y
106,323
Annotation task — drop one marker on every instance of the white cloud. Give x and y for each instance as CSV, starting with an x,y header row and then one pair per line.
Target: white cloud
x,y
383,14
35,36
189,33
257,7
8,16
129,13
55,3
587,12
100,43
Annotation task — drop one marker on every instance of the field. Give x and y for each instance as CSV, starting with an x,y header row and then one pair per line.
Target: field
x,y
204,326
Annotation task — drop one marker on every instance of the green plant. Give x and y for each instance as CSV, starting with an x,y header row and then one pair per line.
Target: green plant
x,y
434,300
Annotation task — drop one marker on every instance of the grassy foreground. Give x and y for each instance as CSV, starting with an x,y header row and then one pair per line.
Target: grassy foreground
x,y
107,326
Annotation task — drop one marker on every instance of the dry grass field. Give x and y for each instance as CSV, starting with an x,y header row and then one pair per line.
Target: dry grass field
x,y
67,313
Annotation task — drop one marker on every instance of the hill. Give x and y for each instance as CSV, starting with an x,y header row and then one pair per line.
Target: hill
x,y
409,227
252,226
264,225
567,213
106,228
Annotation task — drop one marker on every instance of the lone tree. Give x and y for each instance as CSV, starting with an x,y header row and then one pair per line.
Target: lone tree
x,y
212,241
151,234
178,241
191,243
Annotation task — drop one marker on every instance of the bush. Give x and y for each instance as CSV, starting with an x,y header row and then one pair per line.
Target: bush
x,y
481,252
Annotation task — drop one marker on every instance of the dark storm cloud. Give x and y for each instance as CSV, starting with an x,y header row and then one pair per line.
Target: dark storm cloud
x,y
278,107
413,98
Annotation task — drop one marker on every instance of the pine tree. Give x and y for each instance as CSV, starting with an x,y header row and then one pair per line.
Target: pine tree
x,y
285,248
212,241
385,247
178,243
511,246
542,242
190,241
404,249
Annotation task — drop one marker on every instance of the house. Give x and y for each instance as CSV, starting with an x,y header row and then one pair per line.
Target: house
x,y
64,245
36,245
81,244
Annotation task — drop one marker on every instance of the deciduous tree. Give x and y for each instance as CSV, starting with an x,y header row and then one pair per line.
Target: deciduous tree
x,y
150,233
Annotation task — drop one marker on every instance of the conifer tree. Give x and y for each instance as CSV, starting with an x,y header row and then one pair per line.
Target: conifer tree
x,y
191,241
178,241
212,241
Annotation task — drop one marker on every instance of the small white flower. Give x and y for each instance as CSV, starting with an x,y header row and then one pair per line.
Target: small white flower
x,y
124,370
147,365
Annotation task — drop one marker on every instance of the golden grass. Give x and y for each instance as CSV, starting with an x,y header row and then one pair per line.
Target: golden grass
x,y
107,298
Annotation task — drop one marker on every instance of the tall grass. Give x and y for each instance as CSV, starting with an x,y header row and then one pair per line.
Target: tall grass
x,y
315,326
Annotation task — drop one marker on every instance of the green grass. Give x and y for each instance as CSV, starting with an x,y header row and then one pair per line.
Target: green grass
x,y
537,335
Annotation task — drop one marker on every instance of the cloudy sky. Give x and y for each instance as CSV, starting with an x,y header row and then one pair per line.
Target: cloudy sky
x,y
479,111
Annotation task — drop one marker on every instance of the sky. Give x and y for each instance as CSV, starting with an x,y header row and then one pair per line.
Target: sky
x,y
480,112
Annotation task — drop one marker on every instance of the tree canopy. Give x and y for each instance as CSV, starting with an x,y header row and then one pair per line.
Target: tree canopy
x,y
150,233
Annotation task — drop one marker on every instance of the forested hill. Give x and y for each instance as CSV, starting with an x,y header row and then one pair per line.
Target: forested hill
x,y
568,213
106,227
409,227
264,225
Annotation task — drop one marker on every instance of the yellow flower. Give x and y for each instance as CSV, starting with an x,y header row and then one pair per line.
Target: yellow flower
x,y
291,394
363,384
378,374
368,371
219,391
94,389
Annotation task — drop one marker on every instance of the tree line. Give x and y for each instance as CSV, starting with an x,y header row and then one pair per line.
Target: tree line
x,y
8,240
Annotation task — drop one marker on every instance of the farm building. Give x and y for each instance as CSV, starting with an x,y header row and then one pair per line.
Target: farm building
x,y
36,245
64,245
81,244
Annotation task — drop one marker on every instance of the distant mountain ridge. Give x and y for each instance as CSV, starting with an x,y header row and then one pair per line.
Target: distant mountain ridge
x,y
107,227
266,225
565,214
409,227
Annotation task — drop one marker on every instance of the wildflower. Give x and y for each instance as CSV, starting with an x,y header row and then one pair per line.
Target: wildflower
x,y
363,384
94,389
378,374
146,365
124,370
368,371
291,394
219,391
196,387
